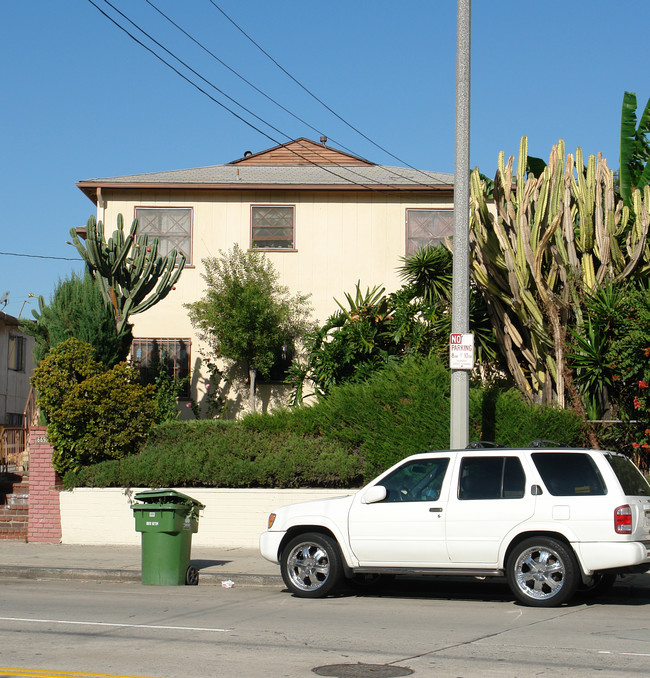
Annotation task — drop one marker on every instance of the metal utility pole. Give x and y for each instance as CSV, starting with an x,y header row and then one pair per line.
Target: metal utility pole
x,y
459,424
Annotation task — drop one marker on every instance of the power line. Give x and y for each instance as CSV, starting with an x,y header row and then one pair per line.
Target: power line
x,y
239,75
311,94
239,117
267,96
218,90
189,68
38,256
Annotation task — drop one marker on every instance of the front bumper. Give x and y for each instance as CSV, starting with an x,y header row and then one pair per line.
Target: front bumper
x,y
270,545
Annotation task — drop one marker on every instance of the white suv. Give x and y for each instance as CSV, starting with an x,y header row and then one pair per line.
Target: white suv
x,y
551,520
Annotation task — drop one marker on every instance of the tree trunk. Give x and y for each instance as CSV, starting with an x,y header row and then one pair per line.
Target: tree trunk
x,y
252,374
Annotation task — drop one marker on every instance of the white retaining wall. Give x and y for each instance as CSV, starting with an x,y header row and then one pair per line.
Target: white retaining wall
x,y
231,518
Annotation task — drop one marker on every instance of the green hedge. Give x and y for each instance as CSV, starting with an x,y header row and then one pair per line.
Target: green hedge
x,y
505,418
402,410
346,439
225,454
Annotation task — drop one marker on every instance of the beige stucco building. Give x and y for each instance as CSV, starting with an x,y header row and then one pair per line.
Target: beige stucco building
x,y
325,219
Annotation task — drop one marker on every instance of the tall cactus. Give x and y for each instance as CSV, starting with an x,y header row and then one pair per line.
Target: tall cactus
x,y
547,241
130,274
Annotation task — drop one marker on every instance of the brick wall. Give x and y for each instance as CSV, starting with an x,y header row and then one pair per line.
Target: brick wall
x,y
44,517
14,500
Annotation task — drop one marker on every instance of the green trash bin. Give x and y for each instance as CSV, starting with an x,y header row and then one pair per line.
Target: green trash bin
x,y
166,520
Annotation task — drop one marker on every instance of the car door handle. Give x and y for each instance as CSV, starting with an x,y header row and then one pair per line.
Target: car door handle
x,y
435,510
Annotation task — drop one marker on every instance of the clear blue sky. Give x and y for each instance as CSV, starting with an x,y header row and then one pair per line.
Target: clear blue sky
x,y
80,99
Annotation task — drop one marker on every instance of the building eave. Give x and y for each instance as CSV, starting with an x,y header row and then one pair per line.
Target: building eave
x,y
89,188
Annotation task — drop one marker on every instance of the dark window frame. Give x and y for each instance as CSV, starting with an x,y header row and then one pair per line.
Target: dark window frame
x,y
472,488
428,486
558,471
155,348
16,353
278,373
15,419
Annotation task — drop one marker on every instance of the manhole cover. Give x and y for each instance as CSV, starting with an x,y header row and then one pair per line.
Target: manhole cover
x,y
362,671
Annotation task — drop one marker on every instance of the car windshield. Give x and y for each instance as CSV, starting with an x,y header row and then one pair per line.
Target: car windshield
x,y
631,479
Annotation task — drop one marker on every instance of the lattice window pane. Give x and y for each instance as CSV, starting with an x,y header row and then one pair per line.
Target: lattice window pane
x,y
427,227
171,225
272,227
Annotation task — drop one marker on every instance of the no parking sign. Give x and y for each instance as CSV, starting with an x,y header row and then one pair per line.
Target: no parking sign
x,y
461,351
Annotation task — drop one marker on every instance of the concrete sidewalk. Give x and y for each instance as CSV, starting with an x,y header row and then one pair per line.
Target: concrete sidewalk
x,y
244,567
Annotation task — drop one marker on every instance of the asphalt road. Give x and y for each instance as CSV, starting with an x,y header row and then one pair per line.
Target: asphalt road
x,y
50,629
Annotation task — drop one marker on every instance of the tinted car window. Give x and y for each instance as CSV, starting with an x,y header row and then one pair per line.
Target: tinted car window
x,y
631,479
491,478
419,480
568,474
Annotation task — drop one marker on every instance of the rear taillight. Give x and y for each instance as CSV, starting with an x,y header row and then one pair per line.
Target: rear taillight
x,y
623,520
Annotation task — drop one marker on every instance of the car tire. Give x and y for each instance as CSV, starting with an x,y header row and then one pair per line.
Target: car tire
x,y
311,565
542,572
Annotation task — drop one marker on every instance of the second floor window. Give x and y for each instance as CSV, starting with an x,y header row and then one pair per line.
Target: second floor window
x,y
272,227
171,225
427,227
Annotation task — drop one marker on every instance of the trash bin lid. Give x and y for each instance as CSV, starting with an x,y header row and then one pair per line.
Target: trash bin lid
x,y
166,497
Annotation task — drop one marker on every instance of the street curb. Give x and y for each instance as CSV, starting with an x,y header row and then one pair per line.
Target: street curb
x,y
132,576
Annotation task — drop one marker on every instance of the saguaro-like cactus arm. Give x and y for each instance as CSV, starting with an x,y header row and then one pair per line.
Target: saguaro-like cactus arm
x,y
131,275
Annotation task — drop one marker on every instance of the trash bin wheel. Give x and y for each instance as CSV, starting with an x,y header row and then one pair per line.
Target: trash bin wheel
x,y
192,576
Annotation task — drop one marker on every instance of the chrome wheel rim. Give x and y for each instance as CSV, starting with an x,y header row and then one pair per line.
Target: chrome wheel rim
x,y
308,566
540,573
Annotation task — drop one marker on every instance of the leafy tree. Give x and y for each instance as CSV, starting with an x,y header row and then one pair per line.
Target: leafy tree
x,y
93,414
374,329
77,309
428,287
352,344
634,172
131,275
612,365
245,315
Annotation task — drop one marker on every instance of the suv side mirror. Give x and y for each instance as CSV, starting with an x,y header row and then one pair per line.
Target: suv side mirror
x,y
374,494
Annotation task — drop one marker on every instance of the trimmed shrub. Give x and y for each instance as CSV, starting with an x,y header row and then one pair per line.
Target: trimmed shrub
x,y
226,454
346,439
507,419
92,414
401,410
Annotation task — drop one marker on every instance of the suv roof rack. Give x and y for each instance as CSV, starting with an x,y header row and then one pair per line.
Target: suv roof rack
x,y
547,443
480,444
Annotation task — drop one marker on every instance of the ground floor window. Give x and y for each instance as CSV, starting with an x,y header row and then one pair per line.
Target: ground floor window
x,y
173,355
278,372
